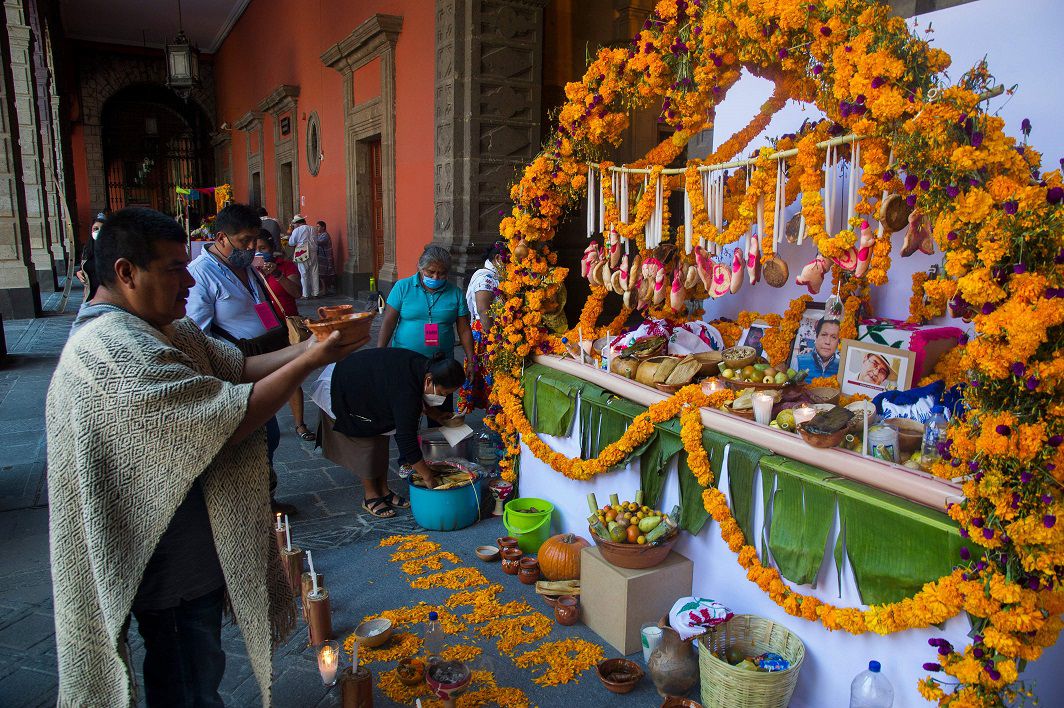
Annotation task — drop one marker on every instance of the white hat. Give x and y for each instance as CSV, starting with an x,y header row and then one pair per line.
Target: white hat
x,y
299,219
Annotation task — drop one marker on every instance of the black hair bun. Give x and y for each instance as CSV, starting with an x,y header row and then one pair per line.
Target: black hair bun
x,y
438,356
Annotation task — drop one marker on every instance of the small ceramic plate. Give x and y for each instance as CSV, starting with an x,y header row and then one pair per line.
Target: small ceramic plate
x,y
487,553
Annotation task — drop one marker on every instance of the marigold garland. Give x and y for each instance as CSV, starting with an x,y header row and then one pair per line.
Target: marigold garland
x,y
565,660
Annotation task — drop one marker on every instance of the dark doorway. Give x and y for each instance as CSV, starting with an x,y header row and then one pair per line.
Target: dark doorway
x,y
376,190
153,143
255,198
285,196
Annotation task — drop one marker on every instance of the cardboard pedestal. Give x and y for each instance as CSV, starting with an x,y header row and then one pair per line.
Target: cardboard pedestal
x,y
616,602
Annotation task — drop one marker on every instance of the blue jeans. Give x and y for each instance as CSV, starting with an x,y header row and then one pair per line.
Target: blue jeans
x,y
184,661
273,441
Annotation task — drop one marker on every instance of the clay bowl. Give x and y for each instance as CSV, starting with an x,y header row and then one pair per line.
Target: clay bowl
x,y
351,327
822,441
910,433
551,600
411,671
710,362
373,633
666,388
739,357
823,394
448,691
676,702
487,553
331,311
743,385
627,673
632,555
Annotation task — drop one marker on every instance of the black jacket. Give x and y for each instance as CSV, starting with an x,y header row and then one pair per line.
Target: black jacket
x,y
375,391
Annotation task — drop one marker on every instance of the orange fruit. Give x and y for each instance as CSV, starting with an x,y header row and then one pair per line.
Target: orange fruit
x,y
633,533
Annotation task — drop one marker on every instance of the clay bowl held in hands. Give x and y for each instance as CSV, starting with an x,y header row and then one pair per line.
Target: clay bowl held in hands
x,y
352,327
331,311
373,633
487,553
822,440
619,675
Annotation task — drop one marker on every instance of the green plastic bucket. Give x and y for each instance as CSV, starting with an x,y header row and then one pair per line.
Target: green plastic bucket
x,y
530,529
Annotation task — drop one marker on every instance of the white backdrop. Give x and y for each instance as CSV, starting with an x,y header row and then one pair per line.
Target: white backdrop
x,y
1021,40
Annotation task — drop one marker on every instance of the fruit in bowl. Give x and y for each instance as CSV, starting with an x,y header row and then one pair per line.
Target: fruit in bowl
x,y
738,357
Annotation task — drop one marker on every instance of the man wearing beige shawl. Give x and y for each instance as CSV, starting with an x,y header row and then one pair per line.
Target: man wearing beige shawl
x,y
157,481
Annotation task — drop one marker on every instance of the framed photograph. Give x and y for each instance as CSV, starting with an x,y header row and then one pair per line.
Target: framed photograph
x,y
752,336
872,368
816,345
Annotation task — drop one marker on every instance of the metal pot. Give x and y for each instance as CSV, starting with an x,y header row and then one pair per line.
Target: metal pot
x,y
434,447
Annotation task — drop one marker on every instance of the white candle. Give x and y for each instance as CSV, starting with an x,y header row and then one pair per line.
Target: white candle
x,y
287,535
763,408
328,660
279,522
864,438
803,414
580,331
313,575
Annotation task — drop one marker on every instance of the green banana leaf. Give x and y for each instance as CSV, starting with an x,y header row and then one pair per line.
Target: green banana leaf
x,y
742,462
654,460
800,510
550,399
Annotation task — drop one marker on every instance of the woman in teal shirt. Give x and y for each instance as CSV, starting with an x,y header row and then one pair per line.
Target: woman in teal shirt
x,y
424,310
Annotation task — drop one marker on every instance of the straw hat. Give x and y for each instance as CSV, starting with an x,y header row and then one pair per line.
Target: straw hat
x,y
299,219
893,375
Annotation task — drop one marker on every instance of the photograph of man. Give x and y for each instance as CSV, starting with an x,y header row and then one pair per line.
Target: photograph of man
x,y
823,358
876,370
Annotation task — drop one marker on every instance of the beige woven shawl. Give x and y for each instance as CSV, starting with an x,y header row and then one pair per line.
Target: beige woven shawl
x,y
134,416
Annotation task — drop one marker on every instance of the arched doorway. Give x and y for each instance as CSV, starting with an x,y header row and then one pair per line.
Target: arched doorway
x,y
154,142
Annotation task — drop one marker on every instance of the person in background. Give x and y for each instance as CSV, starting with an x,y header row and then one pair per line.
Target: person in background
x,y
272,227
305,254
424,310
229,301
480,294
823,359
282,276
326,266
375,394
157,482
87,273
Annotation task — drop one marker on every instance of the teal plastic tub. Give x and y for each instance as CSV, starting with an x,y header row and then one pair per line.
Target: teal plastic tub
x,y
446,510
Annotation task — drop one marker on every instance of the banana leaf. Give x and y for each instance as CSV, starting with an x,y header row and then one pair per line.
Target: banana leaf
x,y
654,459
742,463
550,400
802,510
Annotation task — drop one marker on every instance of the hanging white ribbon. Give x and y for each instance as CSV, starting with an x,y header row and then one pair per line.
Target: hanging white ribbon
x,y
687,229
780,208
851,196
602,205
590,201
624,197
659,212
829,190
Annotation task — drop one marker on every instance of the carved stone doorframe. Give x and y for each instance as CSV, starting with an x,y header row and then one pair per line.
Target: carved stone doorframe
x,y
374,38
251,124
281,104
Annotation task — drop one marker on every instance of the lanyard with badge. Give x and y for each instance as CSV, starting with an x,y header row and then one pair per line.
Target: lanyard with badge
x,y
262,308
432,330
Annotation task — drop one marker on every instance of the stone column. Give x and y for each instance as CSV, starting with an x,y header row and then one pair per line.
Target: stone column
x,y
24,86
488,94
48,119
20,295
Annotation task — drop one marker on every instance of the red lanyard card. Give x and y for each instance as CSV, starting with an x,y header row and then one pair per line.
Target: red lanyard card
x,y
432,335
266,315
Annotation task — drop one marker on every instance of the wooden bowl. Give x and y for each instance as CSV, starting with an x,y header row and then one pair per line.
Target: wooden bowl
x,y
627,672
710,362
823,394
743,385
739,357
747,413
666,388
411,671
487,553
632,555
910,433
373,633
822,441
351,327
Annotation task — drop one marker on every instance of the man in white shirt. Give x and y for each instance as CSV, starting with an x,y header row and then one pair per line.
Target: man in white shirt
x,y
302,239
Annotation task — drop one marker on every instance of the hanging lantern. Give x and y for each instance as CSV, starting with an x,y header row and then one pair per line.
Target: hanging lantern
x,y
182,65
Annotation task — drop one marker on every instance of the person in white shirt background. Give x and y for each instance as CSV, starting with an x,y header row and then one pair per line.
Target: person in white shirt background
x,y
303,238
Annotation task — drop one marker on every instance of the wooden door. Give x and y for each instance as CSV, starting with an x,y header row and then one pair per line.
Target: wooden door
x,y
376,190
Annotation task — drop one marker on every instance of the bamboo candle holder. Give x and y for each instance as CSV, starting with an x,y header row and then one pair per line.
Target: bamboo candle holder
x,y
356,688
319,616
292,560
306,585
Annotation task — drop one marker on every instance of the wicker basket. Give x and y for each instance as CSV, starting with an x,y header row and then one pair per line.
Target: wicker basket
x,y
726,686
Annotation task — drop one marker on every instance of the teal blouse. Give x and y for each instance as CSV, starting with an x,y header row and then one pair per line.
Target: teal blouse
x,y
418,307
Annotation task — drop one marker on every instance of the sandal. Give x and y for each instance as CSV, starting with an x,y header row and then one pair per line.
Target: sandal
x,y
306,434
379,507
396,501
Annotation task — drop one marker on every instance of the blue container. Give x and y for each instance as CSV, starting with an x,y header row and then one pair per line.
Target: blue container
x,y
448,509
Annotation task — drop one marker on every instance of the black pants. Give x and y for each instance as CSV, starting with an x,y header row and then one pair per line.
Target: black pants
x,y
273,441
184,661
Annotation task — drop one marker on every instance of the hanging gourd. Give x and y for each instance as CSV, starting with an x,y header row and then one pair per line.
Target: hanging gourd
x,y
559,556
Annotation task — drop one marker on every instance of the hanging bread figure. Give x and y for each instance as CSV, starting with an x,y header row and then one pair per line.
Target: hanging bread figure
x,y
864,250
620,277
721,284
704,266
848,259
635,272
590,258
678,294
918,238
690,279
736,280
753,258
794,226
661,288
812,275
615,247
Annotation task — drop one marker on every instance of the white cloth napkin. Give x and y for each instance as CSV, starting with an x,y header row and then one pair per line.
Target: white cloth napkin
x,y
453,436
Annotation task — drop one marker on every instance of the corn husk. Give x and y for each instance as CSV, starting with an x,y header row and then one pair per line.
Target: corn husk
x,y
684,371
664,369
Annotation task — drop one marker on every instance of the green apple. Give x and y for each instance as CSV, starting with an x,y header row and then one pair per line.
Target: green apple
x,y
780,378
728,374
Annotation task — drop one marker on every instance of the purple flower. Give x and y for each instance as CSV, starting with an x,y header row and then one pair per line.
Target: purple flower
x,y
910,182
965,553
1032,383
825,30
951,236
1049,521
955,462
988,534
1019,269
977,139
973,466
1033,584
1018,368
1047,498
1011,207
973,181
887,176
931,666
911,200
977,653
1055,440
965,534
925,184
994,674
1015,503
1055,195
845,109
782,53
848,48
1059,258
1025,477
1002,429
1025,127
978,522
952,191
878,81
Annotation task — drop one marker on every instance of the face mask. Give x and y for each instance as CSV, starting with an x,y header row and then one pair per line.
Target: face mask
x,y
434,399
433,283
264,256
95,234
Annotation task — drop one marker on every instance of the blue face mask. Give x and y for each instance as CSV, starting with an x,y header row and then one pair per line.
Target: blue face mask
x,y
433,283
264,256
241,258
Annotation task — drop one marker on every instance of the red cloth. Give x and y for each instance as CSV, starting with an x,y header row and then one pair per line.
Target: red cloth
x,y
285,269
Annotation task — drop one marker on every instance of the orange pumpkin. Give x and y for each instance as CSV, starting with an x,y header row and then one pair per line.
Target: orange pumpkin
x,y
559,556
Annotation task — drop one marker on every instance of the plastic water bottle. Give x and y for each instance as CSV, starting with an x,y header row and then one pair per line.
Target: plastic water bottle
x,y
435,638
934,432
871,689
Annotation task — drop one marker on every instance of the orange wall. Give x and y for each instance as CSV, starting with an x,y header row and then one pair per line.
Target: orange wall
x,y
277,42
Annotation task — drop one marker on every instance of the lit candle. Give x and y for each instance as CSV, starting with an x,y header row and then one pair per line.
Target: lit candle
x,y
313,575
804,414
763,408
287,535
328,660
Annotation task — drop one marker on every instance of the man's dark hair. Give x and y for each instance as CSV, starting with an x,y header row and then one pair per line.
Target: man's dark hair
x,y
131,234
236,218
263,212
322,224
266,236
823,321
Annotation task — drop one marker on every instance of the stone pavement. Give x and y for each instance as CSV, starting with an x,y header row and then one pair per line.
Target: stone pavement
x,y
329,500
